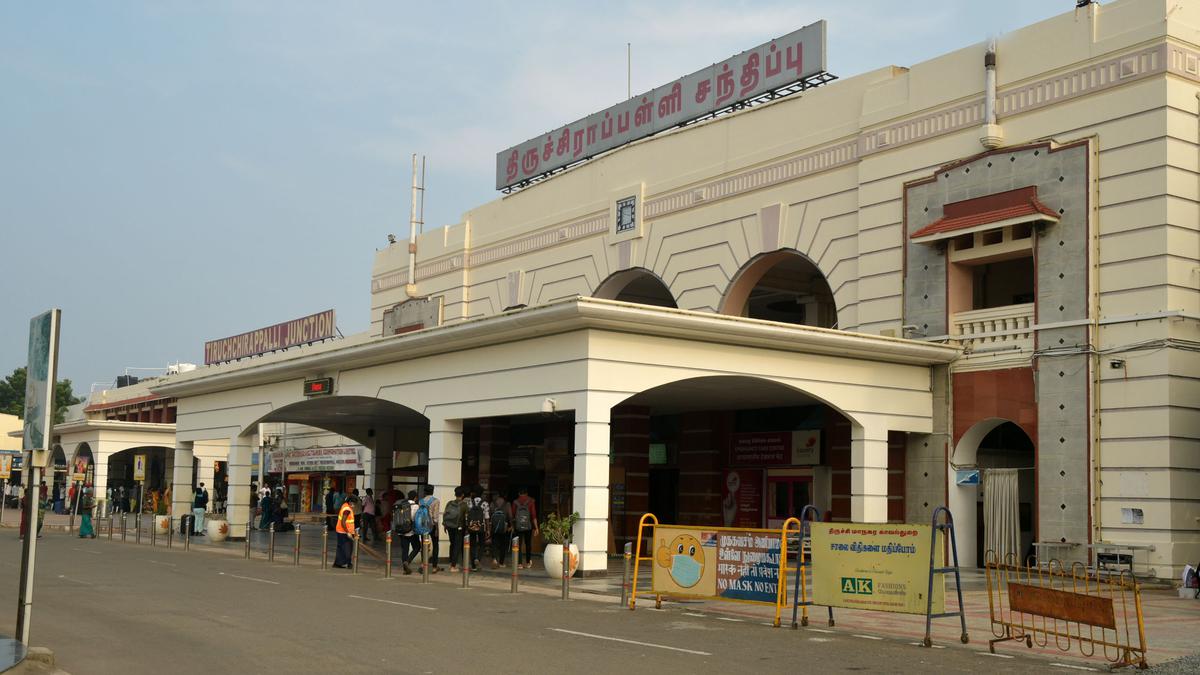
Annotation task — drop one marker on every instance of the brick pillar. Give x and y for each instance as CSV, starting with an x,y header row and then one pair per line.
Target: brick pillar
x,y
630,429
699,470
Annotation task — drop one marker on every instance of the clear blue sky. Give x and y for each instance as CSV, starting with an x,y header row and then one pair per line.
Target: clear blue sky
x,y
173,172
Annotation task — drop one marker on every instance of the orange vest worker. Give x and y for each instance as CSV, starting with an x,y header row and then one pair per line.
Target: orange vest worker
x,y
345,522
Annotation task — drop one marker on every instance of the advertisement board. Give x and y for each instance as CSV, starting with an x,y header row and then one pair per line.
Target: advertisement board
x,y
742,504
40,372
6,465
776,448
721,563
876,567
293,460
139,467
770,66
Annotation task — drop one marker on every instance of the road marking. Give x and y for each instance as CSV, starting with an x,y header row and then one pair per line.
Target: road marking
x,y
164,563
1067,665
694,614
730,618
630,642
999,656
868,637
820,639
74,581
819,630
86,551
261,581
392,602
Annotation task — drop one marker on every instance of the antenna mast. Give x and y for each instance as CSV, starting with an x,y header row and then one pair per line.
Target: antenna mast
x,y
416,222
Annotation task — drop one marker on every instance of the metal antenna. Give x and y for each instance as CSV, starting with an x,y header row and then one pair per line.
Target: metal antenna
x,y
628,70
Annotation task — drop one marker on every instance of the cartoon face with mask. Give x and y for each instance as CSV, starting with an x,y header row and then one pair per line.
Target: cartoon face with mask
x,y
683,558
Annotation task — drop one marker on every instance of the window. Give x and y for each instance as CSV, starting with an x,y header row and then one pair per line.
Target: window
x,y
1007,282
626,214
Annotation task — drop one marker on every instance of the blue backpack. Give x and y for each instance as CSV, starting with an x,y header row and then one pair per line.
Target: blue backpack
x,y
423,521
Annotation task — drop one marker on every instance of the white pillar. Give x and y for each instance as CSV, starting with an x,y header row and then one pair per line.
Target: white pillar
x,y
100,480
445,466
590,495
237,497
868,474
181,480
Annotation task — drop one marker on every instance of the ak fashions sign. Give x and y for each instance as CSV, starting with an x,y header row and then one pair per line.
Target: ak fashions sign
x,y
879,567
754,72
312,328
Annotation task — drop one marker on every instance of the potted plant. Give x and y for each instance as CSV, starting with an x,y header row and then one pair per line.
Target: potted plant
x,y
557,532
217,527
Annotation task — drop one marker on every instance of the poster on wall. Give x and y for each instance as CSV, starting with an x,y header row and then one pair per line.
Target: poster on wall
x,y
742,503
139,467
730,564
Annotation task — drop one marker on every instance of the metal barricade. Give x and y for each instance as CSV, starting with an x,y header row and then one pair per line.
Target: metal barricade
x,y
1077,608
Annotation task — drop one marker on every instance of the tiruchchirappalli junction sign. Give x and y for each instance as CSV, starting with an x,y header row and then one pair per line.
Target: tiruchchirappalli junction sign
x,y
773,65
312,328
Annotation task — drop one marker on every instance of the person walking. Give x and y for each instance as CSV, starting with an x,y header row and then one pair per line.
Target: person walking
x,y
404,523
264,506
346,533
368,516
475,526
433,506
452,520
199,507
330,509
498,530
524,520
86,504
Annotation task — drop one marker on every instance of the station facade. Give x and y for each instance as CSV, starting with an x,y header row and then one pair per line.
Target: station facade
x,y
868,296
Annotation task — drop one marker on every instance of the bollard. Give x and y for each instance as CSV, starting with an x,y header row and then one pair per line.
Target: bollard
x,y
154,531
625,577
296,552
354,563
187,531
424,558
270,542
566,581
324,548
124,526
170,531
247,541
112,519
137,529
516,553
387,568
466,562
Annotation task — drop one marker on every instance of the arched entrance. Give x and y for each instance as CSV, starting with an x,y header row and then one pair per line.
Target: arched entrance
x,y
993,491
783,286
125,492
637,285
58,479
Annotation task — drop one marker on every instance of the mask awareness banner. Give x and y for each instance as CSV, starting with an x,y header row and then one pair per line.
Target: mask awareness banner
x,y
722,563
878,567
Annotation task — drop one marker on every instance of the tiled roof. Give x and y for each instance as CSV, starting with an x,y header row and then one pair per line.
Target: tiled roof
x,y
993,208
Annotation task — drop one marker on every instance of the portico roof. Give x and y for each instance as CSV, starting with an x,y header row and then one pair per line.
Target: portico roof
x,y
572,314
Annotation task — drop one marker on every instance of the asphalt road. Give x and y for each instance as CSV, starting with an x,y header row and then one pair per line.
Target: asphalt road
x,y
106,607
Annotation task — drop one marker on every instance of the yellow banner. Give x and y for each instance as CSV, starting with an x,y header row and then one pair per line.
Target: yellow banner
x,y
723,563
139,467
877,567
5,465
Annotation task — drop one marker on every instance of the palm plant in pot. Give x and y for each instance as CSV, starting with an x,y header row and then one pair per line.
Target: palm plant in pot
x,y
557,532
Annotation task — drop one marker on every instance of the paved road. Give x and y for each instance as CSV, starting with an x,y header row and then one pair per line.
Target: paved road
x,y
107,607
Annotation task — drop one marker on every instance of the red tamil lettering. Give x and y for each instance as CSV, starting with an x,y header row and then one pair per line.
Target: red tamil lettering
x,y
795,61
774,61
749,79
724,85
510,170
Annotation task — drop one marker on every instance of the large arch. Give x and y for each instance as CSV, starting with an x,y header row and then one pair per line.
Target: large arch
x,y
785,286
980,448
638,285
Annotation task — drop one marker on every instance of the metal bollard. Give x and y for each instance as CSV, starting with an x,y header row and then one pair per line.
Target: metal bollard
x,y
625,577
424,558
154,531
354,563
137,529
387,569
466,562
187,531
170,531
324,548
112,519
566,580
247,541
516,553
296,552
270,542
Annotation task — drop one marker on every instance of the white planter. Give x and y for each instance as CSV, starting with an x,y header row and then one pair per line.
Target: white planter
x,y
552,558
218,530
162,524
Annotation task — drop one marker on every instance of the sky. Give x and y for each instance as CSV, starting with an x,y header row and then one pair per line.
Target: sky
x,y
173,172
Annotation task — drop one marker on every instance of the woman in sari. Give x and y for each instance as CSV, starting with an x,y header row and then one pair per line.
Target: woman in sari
x,y
86,504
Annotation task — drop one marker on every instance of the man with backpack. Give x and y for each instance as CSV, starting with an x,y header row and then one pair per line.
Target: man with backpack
x,y
524,512
199,507
404,525
498,530
476,526
452,519
425,524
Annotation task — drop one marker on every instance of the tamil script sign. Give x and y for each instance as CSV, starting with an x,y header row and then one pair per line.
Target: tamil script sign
x,y
296,460
292,333
754,72
39,384
723,563
775,448
878,567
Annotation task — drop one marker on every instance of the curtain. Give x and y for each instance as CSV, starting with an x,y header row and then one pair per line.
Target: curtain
x,y
1001,518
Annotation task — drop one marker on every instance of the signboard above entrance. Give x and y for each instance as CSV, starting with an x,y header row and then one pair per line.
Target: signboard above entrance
x,y
312,328
345,458
776,448
772,65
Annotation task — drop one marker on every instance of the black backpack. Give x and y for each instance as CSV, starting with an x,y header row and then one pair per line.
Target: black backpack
x,y
476,520
402,520
523,521
499,521
452,516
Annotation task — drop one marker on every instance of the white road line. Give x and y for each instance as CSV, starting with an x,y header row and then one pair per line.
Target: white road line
x,y
630,642
1067,665
261,581
818,630
729,618
86,551
999,656
693,614
820,639
868,637
392,602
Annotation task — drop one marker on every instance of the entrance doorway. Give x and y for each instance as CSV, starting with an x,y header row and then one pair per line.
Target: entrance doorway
x,y
664,494
786,498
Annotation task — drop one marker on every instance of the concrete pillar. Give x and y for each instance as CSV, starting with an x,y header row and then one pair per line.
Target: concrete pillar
x,y
100,479
868,474
592,449
445,466
181,479
237,499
